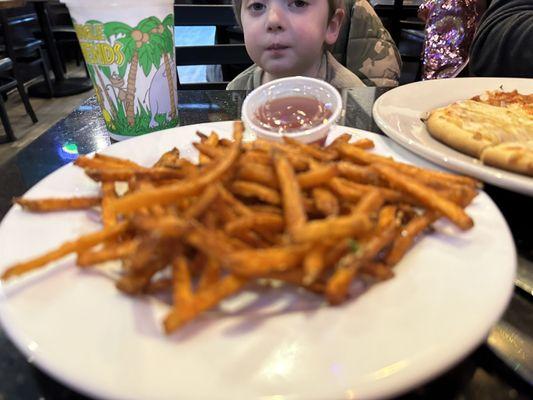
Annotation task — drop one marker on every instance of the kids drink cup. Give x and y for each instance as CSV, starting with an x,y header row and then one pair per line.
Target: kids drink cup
x,y
128,46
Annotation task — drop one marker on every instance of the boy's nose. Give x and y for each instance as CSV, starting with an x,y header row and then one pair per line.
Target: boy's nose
x,y
274,18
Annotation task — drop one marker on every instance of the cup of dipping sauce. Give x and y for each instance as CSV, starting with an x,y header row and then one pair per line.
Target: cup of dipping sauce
x,y
298,107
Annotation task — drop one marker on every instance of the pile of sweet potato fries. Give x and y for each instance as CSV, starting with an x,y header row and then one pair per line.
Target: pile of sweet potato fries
x,y
314,217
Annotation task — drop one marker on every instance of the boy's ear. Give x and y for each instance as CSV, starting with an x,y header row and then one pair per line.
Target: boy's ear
x,y
334,26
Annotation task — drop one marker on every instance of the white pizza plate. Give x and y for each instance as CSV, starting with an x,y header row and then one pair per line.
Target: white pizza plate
x,y
273,343
399,111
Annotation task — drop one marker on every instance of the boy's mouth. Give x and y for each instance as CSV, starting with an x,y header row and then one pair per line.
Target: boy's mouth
x,y
277,46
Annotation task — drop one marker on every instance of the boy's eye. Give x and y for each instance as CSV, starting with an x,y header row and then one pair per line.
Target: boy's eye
x,y
256,6
299,3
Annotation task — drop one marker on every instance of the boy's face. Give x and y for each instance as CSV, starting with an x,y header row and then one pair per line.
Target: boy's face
x,y
286,37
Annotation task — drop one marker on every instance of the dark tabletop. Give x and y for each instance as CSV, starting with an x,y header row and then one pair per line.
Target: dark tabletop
x,y
481,375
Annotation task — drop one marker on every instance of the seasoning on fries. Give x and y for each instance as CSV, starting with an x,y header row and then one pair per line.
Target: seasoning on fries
x,y
313,217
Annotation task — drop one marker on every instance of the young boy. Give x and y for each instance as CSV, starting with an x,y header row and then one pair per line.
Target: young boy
x,y
290,37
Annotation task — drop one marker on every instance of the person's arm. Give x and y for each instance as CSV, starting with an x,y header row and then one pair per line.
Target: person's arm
x,y
503,44
370,52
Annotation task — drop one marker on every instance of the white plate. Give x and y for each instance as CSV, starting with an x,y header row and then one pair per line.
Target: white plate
x,y
398,114
447,293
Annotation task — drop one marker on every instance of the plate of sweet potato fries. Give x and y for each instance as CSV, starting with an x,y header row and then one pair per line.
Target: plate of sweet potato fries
x,y
197,263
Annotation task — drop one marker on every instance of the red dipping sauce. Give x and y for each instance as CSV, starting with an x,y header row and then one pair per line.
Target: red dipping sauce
x,y
292,114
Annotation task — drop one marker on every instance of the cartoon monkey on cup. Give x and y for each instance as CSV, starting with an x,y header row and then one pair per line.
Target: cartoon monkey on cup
x,y
117,82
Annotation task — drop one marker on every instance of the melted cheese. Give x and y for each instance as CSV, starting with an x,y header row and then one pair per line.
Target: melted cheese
x,y
508,124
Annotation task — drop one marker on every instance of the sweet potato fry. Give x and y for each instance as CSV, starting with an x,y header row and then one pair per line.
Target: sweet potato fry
x,y
224,142
325,202
213,243
187,168
387,216
258,221
335,251
258,173
365,158
426,195
208,196
58,204
363,144
358,173
108,194
209,150
318,176
210,274
124,174
354,191
408,234
138,280
377,270
150,252
181,282
103,162
202,301
322,154
114,251
298,160
256,157
252,239
169,159
344,138
296,277
157,285
338,285
314,263
169,194
369,203
116,161
354,225
293,207
239,207
256,191
163,226
265,208
75,246
258,262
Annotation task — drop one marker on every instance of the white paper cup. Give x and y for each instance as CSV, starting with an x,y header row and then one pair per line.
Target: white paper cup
x,y
128,47
290,87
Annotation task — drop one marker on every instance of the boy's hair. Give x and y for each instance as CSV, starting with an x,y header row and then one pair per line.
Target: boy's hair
x,y
332,4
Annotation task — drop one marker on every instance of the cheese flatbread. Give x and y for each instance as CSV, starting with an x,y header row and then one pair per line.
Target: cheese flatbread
x,y
513,156
496,127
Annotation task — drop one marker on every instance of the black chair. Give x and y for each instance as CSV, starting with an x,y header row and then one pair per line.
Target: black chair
x,y
64,34
8,83
404,17
225,54
23,50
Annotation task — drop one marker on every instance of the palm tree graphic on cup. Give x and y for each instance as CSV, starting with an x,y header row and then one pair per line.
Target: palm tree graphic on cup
x,y
146,47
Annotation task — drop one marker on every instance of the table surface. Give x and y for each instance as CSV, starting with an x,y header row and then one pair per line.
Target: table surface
x,y
481,375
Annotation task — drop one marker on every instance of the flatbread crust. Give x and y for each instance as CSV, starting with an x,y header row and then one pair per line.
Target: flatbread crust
x,y
496,127
517,157
445,129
